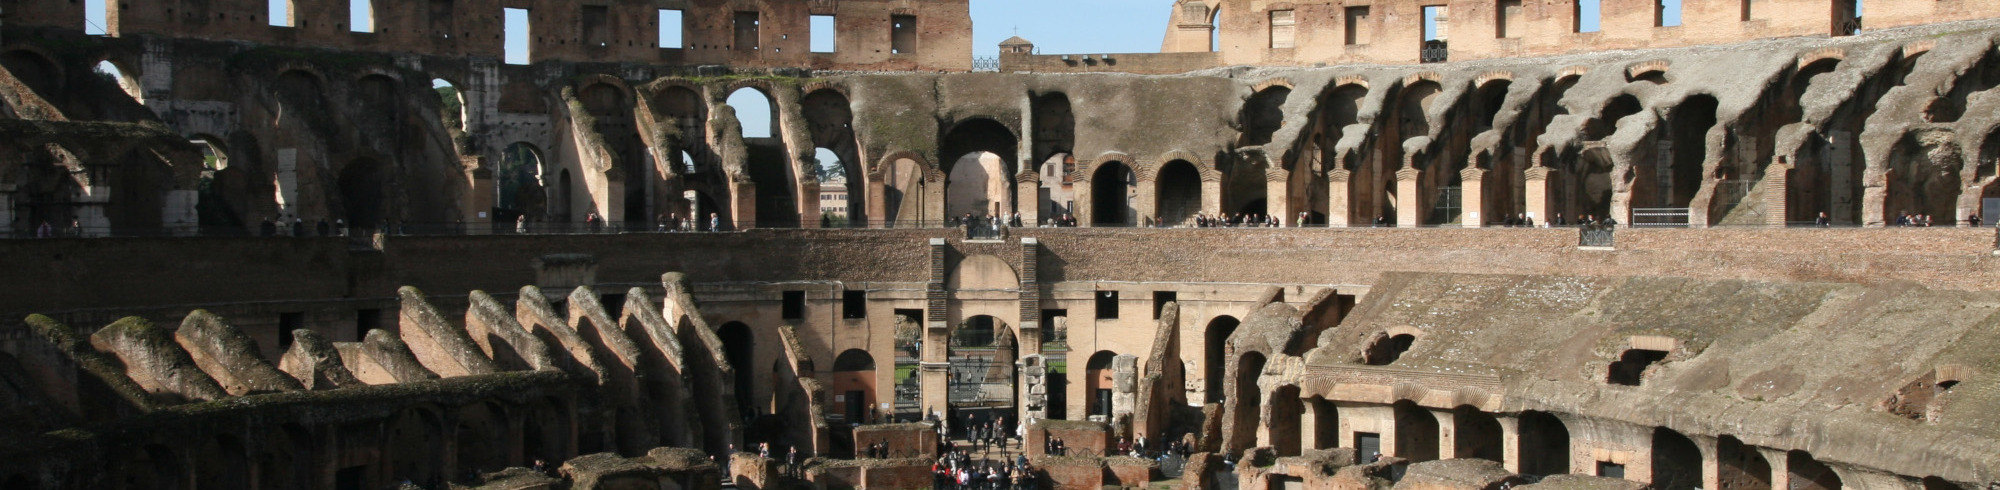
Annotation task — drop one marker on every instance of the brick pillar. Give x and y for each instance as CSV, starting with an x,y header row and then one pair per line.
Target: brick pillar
x,y
1030,341
1536,193
1472,200
933,199
1211,196
1277,196
1082,209
479,200
1337,200
809,211
1406,198
934,383
877,209
743,209
1147,201
1028,198
1777,186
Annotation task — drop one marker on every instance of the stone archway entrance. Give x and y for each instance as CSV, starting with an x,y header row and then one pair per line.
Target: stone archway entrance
x,y
980,380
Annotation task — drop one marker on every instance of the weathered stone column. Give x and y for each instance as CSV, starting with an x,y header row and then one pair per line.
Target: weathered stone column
x,y
933,199
1211,195
1536,194
1510,443
1711,461
1310,433
1471,197
1406,198
1781,469
1084,194
1447,434
1337,200
178,213
479,200
1146,200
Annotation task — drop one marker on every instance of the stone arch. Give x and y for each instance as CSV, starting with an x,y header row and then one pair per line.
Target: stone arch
x,y
909,194
853,379
546,433
1112,183
1544,444
981,377
223,462
1178,193
831,122
122,73
1262,114
452,109
1808,473
1478,434
518,183
481,439
412,442
769,103
1215,354
1054,126
1740,466
380,97
1416,432
1687,128
36,69
1098,383
1284,429
983,272
1413,107
978,156
1676,461
1386,347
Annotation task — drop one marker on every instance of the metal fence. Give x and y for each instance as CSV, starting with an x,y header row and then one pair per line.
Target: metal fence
x,y
1660,217
1594,236
986,63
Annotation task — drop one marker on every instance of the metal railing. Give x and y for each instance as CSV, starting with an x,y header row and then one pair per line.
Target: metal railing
x,y
1595,236
1435,51
986,63
1661,217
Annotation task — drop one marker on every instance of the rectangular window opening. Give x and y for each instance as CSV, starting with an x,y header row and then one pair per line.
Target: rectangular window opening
x,y
1587,16
853,304
360,15
795,305
914,314
1666,13
515,32
1609,469
613,303
1283,27
364,320
1160,300
746,31
1357,25
1434,23
280,12
95,17
670,29
823,34
1505,15
902,34
287,322
1107,305
595,25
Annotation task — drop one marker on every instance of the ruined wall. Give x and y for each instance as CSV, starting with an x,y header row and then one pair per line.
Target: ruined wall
x,y
1256,32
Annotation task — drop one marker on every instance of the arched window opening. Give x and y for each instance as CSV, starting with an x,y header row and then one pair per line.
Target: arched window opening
x,y
1808,473
451,103
739,349
125,82
979,177
1416,432
1214,353
1263,114
1479,434
1630,368
1741,467
854,382
1544,445
1179,193
1098,384
1386,350
1111,188
754,111
518,186
1676,461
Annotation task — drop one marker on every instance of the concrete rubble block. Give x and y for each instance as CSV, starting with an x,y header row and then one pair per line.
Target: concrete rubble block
x,y
594,325
659,468
1583,482
501,337
154,361
380,358
569,350
229,356
98,370
1457,474
442,347
316,363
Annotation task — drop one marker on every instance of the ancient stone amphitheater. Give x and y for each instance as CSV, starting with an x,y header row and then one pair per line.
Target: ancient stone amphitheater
x,y
517,244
